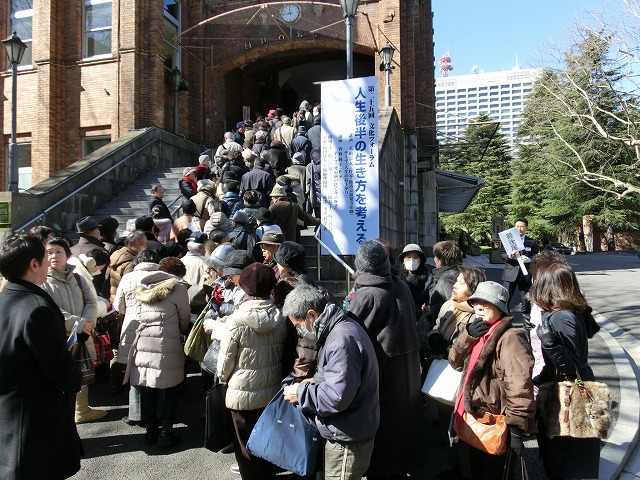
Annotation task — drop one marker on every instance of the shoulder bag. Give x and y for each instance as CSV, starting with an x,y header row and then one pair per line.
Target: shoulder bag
x,y
488,433
285,437
442,381
575,409
198,341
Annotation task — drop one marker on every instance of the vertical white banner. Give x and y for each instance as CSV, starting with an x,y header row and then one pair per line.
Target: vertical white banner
x,y
349,185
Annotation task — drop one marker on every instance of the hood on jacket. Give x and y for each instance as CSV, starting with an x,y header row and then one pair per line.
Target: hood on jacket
x,y
64,276
261,316
371,280
146,266
156,287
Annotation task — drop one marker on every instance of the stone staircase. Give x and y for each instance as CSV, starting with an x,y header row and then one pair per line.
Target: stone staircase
x,y
133,201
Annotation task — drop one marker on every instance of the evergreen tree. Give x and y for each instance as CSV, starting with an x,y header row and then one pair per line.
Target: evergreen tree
x,y
572,161
484,153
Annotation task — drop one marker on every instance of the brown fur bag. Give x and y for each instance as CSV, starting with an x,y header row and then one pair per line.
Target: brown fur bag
x,y
575,409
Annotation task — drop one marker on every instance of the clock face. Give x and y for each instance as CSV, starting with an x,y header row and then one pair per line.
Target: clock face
x,y
290,13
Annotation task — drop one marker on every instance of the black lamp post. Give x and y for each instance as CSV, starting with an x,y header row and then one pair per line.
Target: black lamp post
x,y
349,8
176,76
387,56
15,51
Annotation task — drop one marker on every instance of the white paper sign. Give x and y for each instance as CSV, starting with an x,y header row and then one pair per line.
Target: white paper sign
x,y
349,185
511,240
512,243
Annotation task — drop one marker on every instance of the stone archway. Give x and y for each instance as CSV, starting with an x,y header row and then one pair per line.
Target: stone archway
x,y
246,55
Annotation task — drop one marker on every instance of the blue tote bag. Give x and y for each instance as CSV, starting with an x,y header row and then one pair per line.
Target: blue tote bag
x,y
285,437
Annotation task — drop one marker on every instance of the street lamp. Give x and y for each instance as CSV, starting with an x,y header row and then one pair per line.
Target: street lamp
x,y
15,51
176,76
387,56
349,8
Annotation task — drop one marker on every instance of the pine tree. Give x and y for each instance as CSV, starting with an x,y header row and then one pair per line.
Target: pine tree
x,y
486,154
571,162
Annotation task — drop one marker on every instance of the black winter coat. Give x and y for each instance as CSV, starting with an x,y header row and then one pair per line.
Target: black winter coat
x,y
38,383
383,305
568,457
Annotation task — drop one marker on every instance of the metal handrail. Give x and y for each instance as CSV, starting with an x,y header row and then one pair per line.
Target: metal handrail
x,y
173,203
77,190
112,153
349,272
333,254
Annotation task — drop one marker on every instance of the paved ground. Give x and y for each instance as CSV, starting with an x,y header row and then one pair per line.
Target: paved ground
x,y
115,450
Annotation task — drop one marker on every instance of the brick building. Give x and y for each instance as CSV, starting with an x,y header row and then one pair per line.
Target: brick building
x,y
95,69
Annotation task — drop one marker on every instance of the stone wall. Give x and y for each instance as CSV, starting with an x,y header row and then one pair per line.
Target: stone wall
x,y
392,178
123,161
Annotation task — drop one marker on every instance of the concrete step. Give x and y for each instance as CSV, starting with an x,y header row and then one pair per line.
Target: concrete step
x,y
137,202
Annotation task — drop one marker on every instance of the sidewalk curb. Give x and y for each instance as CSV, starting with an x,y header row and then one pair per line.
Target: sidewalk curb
x,y
622,441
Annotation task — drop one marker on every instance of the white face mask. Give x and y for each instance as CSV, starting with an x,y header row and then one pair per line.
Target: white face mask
x,y
411,265
302,330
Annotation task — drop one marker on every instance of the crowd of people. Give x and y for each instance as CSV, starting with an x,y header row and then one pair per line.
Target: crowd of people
x,y
234,257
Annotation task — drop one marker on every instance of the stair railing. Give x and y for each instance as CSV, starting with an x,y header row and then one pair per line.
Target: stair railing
x,y
84,186
349,272
175,211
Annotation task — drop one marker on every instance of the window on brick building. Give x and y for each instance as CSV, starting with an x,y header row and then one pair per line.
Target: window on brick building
x,y
97,28
21,22
172,31
24,165
91,144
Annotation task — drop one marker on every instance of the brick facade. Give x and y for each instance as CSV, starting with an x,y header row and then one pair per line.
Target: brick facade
x,y
229,61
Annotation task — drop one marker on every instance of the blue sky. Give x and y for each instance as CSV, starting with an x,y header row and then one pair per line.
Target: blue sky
x,y
489,33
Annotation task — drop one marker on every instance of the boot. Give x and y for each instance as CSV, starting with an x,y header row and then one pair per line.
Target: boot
x,y
84,413
168,438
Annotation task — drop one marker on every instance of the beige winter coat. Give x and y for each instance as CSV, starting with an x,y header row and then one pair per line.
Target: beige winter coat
x,y
126,303
250,355
76,298
156,359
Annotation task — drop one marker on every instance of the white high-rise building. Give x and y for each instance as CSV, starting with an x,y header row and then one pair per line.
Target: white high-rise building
x,y
461,99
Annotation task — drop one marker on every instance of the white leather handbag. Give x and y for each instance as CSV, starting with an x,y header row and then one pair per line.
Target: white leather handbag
x,y
442,381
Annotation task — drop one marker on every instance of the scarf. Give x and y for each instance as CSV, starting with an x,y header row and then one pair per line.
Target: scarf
x,y
476,349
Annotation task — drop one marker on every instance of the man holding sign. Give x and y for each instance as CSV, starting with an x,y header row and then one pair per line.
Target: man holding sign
x,y
519,249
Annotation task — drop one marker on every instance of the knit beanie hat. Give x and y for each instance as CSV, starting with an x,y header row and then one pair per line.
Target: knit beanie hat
x,y
257,280
372,257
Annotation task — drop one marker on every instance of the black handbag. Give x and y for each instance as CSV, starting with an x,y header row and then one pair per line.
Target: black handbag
x,y
210,361
111,323
217,432
85,363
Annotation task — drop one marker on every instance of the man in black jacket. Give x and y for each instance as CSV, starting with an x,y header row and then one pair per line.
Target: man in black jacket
x,y
513,276
89,231
39,376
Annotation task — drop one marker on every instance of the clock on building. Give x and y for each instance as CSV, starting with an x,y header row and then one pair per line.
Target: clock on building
x,y
290,13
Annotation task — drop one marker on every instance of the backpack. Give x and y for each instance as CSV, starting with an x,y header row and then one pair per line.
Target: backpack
x,y
244,240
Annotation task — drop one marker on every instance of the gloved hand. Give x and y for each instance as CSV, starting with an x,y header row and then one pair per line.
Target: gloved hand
x,y
516,440
437,343
547,336
478,327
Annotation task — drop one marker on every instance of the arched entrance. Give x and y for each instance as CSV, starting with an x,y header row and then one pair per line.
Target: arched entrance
x,y
286,81
260,56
